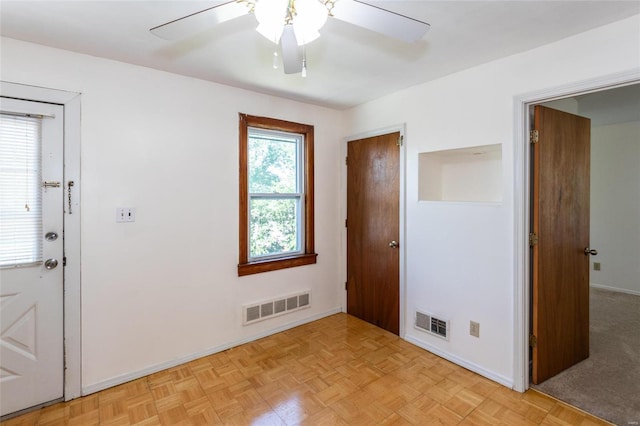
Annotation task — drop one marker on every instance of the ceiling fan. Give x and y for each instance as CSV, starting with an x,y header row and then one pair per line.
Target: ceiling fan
x,y
292,24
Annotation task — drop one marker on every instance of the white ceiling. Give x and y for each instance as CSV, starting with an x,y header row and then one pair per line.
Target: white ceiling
x,y
348,65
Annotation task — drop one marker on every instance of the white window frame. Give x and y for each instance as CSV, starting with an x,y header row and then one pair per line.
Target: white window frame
x,y
298,139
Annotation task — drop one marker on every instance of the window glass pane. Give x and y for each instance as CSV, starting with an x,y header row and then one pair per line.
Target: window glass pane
x,y
273,226
20,194
272,165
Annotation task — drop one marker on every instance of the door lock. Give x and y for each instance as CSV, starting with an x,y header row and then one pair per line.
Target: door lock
x,y
50,263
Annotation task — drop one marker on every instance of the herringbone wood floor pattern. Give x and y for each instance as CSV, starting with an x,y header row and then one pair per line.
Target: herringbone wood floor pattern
x,y
335,371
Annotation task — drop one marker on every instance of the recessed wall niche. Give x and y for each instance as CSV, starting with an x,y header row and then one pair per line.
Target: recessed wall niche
x,y
467,174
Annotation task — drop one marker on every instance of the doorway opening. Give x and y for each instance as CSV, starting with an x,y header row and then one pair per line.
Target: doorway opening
x,y
603,101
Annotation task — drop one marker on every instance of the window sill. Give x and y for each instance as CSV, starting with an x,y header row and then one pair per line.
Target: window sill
x,y
276,264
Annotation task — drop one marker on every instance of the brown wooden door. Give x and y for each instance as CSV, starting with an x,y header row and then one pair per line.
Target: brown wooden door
x,y
373,203
560,219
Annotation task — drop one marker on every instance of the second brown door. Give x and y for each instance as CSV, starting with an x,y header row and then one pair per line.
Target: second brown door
x,y
373,238
560,262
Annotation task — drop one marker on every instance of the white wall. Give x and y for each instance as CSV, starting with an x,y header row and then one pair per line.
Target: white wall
x,y
615,205
460,256
165,287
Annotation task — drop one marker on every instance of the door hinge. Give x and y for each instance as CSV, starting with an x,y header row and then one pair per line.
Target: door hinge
x,y
400,140
346,161
64,261
534,136
533,239
346,285
533,341
345,223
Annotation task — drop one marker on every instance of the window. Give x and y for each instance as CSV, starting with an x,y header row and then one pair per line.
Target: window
x,y
276,195
21,196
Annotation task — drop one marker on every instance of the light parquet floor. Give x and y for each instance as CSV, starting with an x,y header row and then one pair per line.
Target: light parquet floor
x,y
334,371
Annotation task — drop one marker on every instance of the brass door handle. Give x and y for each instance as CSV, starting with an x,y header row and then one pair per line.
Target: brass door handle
x,y
394,244
592,252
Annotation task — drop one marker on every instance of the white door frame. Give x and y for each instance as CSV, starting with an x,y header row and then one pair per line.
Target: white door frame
x,y
521,191
402,212
72,309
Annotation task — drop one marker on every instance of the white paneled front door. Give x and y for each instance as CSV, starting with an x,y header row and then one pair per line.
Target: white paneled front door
x,y
31,254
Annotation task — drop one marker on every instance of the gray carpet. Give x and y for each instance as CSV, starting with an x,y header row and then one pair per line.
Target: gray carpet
x,y
607,384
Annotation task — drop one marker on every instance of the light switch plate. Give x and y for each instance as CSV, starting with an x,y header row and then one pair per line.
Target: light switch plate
x,y
125,214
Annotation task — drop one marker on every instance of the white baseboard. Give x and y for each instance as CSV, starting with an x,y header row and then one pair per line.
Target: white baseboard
x,y
616,289
505,381
124,378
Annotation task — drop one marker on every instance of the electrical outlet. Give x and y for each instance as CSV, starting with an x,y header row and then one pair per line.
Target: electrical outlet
x,y
474,328
596,266
125,214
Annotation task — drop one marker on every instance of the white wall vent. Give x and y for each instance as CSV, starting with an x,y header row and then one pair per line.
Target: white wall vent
x,y
275,307
437,326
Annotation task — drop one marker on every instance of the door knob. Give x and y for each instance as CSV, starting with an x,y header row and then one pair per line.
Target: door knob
x,y
394,244
50,263
592,252
51,236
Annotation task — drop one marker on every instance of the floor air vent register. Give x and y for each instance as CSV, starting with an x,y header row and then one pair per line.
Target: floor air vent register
x,y
275,307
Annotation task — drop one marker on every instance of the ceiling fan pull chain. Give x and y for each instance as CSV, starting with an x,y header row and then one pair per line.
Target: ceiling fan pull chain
x,y
304,61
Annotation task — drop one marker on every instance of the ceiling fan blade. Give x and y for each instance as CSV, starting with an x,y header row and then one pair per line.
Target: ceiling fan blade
x,y
291,52
199,21
380,20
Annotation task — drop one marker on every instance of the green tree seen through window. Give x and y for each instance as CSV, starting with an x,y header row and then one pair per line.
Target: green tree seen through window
x,y
274,194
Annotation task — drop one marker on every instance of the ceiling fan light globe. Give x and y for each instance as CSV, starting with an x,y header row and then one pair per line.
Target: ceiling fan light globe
x,y
311,15
271,33
271,18
305,35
